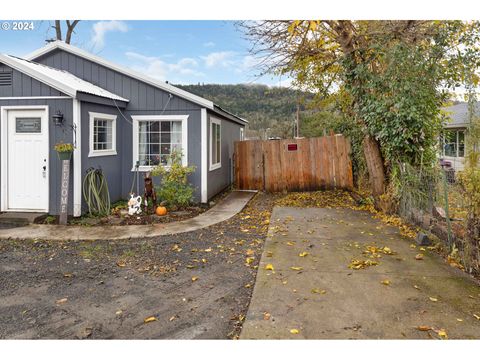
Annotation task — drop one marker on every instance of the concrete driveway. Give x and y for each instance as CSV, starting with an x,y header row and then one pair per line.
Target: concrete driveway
x,y
317,295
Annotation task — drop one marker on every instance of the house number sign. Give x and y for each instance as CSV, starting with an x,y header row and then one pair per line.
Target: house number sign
x,y
64,192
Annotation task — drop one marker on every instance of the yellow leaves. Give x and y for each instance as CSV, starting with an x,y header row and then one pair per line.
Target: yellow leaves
x,y
361,264
385,282
416,287
249,260
419,257
269,267
476,316
433,299
442,333
208,250
194,278
303,254
294,331
319,291
248,286
289,243
61,301
149,319
459,320
313,25
176,248
376,251
296,268
266,316
250,252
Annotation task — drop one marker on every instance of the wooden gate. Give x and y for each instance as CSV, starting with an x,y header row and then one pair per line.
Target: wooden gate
x,y
293,165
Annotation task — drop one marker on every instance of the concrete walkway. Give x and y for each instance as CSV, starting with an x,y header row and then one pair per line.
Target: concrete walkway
x,y
328,300
232,204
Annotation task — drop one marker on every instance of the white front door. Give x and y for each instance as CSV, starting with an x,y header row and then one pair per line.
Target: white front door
x,y
27,160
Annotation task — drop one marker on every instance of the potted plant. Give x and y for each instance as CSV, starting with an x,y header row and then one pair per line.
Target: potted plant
x,y
64,150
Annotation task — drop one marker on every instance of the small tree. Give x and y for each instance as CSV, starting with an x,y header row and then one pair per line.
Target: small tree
x,y
70,29
174,190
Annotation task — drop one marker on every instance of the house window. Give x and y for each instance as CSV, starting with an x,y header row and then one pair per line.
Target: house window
x,y
155,137
103,131
215,144
453,143
242,134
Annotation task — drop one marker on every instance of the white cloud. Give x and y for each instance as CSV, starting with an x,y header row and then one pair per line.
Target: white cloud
x,y
101,28
209,44
157,68
220,58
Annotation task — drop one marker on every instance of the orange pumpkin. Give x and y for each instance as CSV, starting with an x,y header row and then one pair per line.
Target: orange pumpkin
x,y
161,210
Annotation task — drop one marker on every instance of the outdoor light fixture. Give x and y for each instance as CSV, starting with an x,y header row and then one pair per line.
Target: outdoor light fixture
x,y
58,118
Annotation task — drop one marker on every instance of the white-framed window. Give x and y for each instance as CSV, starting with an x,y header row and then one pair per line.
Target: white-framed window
x,y
103,134
452,142
215,143
155,137
242,134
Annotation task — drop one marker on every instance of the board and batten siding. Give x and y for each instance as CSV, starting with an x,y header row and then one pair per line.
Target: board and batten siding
x,y
55,135
219,179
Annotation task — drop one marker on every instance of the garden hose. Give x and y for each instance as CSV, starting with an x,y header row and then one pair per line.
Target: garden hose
x,y
95,192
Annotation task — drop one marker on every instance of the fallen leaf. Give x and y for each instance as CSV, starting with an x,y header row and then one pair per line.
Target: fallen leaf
x,y
195,278
249,260
416,287
172,318
68,275
385,282
118,312
303,254
208,250
150,319
319,291
249,252
290,243
61,301
442,333
476,316
247,286
294,331
266,316
121,263
424,328
433,299
419,257
269,267
296,268
460,320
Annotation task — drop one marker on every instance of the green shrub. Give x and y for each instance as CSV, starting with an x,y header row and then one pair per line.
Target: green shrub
x,y
174,189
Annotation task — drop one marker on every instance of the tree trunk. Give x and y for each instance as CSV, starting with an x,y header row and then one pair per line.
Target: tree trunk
x,y
376,168
58,29
70,29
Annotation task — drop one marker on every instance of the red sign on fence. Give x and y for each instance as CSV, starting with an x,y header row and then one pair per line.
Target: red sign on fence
x,y
292,147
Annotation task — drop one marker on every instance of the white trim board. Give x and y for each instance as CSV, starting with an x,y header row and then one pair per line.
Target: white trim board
x,y
204,156
4,152
35,97
77,159
218,165
137,118
100,116
136,75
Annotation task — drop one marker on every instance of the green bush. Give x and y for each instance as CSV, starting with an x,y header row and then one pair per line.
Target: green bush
x,y
174,190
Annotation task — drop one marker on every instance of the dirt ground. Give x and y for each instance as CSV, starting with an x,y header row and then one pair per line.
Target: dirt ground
x,y
194,285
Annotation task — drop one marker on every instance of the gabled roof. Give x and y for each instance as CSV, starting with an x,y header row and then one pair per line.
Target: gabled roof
x,y
58,79
133,74
459,114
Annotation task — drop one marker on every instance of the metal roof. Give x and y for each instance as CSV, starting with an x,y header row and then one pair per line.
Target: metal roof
x,y
136,75
458,114
61,80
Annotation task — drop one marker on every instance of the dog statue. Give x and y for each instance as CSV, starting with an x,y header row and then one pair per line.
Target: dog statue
x,y
149,192
134,205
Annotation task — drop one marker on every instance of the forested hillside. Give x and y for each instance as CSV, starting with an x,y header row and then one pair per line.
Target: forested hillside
x,y
272,108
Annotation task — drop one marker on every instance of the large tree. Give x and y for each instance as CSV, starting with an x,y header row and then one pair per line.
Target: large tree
x,y
70,27
391,77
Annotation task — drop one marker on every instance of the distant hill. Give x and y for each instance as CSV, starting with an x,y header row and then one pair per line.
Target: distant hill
x,y
264,107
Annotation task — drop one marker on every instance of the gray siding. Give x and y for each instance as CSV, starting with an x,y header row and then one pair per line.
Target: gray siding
x,y
24,85
221,178
56,134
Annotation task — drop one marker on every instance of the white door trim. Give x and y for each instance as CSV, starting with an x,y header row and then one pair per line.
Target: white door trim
x,y
4,151
77,158
204,154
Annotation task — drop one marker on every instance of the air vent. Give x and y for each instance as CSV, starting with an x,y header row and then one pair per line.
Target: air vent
x,y
5,78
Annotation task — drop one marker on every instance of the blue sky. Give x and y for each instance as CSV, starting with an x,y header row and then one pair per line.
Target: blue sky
x,y
186,52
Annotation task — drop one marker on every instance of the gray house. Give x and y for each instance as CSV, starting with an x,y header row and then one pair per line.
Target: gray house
x,y
115,117
455,131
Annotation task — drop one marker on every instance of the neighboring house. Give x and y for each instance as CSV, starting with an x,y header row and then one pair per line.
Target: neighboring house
x,y
452,141
114,116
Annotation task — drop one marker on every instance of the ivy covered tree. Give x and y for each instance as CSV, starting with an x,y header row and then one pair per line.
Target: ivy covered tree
x,y
390,77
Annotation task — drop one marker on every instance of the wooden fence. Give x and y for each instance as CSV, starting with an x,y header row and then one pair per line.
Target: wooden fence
x,y
293,165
